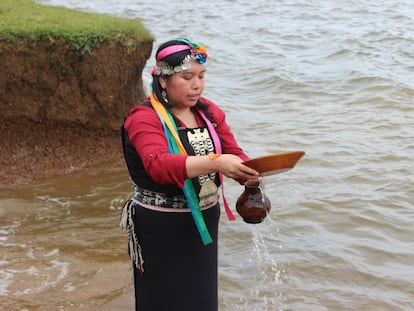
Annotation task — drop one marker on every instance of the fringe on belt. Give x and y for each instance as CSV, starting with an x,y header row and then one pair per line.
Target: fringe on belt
x,y
127,224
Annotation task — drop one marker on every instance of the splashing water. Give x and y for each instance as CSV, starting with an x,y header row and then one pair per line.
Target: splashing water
x,y
269,275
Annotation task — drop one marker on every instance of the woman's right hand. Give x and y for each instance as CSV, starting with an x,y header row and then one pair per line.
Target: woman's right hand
x,y
232,166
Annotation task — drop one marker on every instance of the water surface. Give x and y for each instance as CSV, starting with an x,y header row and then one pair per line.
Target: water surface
x,y
332,78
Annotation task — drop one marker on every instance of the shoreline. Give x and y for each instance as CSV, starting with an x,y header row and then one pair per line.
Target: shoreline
x,y
37,151
124,302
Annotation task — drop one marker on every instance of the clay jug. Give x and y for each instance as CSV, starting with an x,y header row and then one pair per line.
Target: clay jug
x,y
253,205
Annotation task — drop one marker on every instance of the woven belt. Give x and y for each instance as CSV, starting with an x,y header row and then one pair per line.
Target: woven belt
x,y
159,199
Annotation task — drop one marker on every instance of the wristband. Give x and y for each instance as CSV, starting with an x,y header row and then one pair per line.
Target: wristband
x,y
213,156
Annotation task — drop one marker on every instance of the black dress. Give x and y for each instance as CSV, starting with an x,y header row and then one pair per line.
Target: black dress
x,y
180,272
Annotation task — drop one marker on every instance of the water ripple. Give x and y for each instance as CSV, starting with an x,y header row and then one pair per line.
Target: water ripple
x,y
333,78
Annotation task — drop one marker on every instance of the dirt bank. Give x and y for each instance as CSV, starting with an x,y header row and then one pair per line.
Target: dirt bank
x,y
61,110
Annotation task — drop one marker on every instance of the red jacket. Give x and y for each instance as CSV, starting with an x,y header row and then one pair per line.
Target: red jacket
x,y
145,132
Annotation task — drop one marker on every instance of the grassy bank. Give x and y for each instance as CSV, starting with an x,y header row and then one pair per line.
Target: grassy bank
x,y
25,19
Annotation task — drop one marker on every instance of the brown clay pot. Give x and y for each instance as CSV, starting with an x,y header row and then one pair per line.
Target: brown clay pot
x,y
253,205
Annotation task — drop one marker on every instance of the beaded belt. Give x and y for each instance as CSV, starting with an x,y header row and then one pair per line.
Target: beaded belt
x,y
159,199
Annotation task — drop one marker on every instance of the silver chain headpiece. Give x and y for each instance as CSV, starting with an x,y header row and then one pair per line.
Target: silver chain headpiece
x,y
164,69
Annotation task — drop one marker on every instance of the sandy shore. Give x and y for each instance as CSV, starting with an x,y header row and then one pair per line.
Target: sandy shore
x,y
37,151
124,302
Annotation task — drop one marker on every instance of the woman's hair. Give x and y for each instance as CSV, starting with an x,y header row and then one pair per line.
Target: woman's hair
x,y
175,56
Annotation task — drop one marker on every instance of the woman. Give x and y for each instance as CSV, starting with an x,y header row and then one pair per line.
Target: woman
x,y
177,144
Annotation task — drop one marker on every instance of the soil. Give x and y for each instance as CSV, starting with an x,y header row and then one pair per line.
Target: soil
x,y
33,152
61,111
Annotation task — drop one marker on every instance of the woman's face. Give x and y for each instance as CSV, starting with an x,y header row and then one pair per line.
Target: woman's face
x,y
185,88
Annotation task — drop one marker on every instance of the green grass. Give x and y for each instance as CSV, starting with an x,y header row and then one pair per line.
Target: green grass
x,y
25,19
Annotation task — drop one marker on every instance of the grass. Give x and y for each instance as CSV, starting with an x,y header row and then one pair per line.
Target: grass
x,y
25,19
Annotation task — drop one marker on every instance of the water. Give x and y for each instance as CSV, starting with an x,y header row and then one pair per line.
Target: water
x,y
332,78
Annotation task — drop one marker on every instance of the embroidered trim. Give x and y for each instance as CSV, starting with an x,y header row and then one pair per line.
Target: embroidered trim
x,y
174,210
158,199
217,144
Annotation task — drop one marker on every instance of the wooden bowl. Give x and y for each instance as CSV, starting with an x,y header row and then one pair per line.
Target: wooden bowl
x,y
275,163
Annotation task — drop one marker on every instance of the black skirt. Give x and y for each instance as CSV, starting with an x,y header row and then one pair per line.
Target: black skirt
x,y
180,272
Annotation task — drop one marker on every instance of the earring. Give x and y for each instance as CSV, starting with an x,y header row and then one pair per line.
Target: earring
x,y
164,95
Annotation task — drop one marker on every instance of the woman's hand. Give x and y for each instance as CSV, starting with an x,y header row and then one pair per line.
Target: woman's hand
x,y
232,166
229,164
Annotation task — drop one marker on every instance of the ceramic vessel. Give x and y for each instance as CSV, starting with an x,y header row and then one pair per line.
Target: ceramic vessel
x,y
253,205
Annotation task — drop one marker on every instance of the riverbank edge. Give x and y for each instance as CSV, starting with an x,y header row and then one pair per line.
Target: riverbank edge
x,y
62,103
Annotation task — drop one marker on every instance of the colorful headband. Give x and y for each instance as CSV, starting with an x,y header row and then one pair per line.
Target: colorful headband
x,y
171,50
198,52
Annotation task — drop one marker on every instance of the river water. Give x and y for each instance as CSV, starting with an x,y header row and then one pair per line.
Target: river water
x,y
332,78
